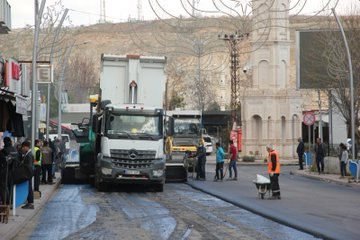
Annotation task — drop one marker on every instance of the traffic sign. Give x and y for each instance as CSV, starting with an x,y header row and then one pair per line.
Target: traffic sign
x,y
309,118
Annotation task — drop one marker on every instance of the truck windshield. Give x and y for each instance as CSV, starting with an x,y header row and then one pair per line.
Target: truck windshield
x,y
187,127
133,126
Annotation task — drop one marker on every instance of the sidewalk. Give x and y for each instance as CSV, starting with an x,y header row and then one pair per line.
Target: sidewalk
x,y
348,180
23,216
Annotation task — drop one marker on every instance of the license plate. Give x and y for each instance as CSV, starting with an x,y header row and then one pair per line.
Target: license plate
x,y
132,172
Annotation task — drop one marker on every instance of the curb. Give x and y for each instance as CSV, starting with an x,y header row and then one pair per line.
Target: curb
x,y
325,179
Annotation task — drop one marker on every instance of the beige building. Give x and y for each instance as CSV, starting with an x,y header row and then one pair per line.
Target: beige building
x,y
271,106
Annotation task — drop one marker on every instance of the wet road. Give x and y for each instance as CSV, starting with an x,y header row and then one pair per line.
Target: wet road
x,y
180,212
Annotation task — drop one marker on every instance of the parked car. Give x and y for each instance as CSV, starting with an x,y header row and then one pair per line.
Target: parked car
x,y
208,144
348,144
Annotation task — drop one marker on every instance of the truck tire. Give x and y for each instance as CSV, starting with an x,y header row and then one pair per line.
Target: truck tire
x,y
92,180
67,175
100,186
159,187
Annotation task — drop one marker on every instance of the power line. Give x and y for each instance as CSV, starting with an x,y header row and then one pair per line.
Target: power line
x,y
97,14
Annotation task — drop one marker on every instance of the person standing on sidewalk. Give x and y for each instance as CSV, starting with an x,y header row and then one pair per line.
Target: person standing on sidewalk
x,y
28,161
46,164
219,162
300,151
274,171
37,164
319,155
5,170
344,158
233,159
201,161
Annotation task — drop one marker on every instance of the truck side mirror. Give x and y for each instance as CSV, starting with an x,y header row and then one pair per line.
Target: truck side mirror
x,y
170,127
94,123
104,103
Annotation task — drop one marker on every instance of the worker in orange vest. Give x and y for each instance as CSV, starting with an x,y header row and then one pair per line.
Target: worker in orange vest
x,y
274,171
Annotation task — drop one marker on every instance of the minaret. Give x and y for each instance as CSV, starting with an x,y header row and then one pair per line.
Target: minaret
x,y
271,107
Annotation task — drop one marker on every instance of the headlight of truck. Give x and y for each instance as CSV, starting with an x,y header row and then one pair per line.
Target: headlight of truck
x,y
106,171
158,173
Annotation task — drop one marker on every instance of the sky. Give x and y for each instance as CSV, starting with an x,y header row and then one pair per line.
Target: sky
x,y
87,12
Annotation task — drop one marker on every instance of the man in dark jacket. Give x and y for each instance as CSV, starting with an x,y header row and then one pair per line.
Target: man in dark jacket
x,y
5,170
300,151
320,155
28,161
201,161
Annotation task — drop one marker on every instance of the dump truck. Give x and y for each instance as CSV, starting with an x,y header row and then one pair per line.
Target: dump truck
x,y
126,133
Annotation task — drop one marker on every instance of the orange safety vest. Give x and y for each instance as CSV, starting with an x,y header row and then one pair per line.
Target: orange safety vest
x,y
277,168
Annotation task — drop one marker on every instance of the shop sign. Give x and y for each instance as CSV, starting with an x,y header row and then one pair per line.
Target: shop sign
x,y
21,104
44,73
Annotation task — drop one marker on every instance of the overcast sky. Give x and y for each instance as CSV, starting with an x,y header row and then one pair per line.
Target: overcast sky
x,y
86,12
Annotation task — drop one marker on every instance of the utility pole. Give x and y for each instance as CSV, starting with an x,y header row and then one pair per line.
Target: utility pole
x,y
233,41
102,12
34,92
140,11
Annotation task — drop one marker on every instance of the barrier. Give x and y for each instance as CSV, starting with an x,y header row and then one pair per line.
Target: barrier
x,y
308,159
354,168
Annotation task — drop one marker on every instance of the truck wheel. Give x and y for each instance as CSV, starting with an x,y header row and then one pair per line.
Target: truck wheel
x,y
159,187
67,175
100,186
92,180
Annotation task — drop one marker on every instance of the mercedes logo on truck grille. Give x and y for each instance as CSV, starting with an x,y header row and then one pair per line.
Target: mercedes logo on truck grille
x,y
132,154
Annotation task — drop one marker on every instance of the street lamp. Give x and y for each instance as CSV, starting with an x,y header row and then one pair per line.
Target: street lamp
x,y
61,82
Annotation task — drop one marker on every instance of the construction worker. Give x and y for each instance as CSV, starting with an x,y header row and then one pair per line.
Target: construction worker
x,y
201,161
37,164
274,171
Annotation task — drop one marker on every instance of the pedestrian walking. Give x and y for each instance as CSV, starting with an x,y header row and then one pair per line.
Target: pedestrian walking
x,y
344,158
219,162
274,171
300,151
319,155
233,159
201,161
28,162
37,164
46,164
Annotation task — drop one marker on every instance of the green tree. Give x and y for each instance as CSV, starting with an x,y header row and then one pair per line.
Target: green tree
x,y
176,101
213,106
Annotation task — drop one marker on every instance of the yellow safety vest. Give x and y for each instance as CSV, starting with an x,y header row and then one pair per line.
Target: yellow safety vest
x,y
37,161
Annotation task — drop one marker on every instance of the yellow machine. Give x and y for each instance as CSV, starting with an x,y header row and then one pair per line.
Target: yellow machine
x,y
184,132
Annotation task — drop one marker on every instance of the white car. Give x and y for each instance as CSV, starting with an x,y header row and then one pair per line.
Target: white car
x,y
65,138
208,144
348,144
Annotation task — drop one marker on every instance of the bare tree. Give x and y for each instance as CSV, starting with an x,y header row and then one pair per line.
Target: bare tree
x,y
335,77
80,78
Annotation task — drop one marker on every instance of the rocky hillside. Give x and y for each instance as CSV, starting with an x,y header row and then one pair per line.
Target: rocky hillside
x,y
186,43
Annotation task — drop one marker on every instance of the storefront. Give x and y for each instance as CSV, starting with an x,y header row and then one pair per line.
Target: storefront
x,y
14,100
